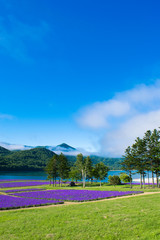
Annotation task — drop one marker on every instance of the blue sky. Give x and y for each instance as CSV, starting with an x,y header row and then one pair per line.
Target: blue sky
x,y
81,72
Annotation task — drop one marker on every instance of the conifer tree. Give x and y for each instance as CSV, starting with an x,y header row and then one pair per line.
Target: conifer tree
x,y
63,167
52,169
128,163
100,171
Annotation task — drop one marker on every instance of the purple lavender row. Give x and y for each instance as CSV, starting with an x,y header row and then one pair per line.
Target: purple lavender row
x,y
7,202
25,184
23,190
138,183
22,184
74,195
18,180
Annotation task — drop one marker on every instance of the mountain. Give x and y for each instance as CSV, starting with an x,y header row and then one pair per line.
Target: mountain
x,y
33,159
15,146
36,157
66,146
4,151
57,149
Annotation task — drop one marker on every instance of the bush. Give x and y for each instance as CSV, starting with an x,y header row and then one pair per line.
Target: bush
x,y
72,184
114,180
124,178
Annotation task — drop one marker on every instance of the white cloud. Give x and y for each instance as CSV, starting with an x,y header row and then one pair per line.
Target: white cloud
x,y
115,142
128,115
96,115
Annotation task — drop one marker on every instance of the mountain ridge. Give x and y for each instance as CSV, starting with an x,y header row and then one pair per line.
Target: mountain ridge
x,y
37,158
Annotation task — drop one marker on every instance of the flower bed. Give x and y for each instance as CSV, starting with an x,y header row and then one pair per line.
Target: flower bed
x,y
138,183
23,190
23,184
18,180
74,195
9,202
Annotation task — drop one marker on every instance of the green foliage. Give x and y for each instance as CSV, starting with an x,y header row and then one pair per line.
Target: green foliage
x,y
144,155
4,151
52,168
88,168
125,178
75,174
114,180
100,171
112,163
63,167
33,159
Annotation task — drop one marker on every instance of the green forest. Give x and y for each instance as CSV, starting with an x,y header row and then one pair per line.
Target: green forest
x,y
37,158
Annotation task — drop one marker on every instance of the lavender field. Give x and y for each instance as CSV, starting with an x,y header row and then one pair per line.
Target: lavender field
x,y
27,197
22,190
73,195
23,184
10,202
138,183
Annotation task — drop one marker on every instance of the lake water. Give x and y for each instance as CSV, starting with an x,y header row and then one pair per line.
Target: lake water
x,y
31,175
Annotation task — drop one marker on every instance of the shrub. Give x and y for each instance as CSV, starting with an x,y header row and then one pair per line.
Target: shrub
x,y
72,184
124,178
114,180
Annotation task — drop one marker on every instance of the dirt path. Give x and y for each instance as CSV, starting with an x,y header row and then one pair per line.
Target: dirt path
x,y
75,203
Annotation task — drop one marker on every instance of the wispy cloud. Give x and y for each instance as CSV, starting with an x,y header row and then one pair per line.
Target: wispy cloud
x,y
16,37
128,115
6,116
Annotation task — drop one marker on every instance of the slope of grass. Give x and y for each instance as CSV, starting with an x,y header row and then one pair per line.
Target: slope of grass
x,y
129,218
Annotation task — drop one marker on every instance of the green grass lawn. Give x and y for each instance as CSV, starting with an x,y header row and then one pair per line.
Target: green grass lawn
x,y
128,218
94,186
107,187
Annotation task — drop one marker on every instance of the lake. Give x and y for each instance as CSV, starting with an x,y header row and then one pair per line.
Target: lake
x,y
32,175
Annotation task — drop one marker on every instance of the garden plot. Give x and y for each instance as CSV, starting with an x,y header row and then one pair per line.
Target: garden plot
x,y
23,184
74,195
10,202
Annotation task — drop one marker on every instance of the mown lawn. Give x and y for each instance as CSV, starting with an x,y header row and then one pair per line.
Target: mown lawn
x,y
95,186
107,187
128,218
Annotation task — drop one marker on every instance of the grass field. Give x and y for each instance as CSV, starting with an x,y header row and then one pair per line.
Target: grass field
x,y
133,218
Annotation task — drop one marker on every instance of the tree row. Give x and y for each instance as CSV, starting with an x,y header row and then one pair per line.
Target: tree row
x,y
58,168
144,157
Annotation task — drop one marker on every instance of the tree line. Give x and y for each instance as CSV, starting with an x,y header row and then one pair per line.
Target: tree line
x,y
144,157
58,168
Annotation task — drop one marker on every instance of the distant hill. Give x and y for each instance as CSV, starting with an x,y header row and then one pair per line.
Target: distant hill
x,y
33,159
4,151
57,149
112,163
64,145
15,146
36,158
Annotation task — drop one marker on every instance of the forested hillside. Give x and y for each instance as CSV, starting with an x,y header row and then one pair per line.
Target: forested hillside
x,y
112,163
4,151
37,158
33,159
